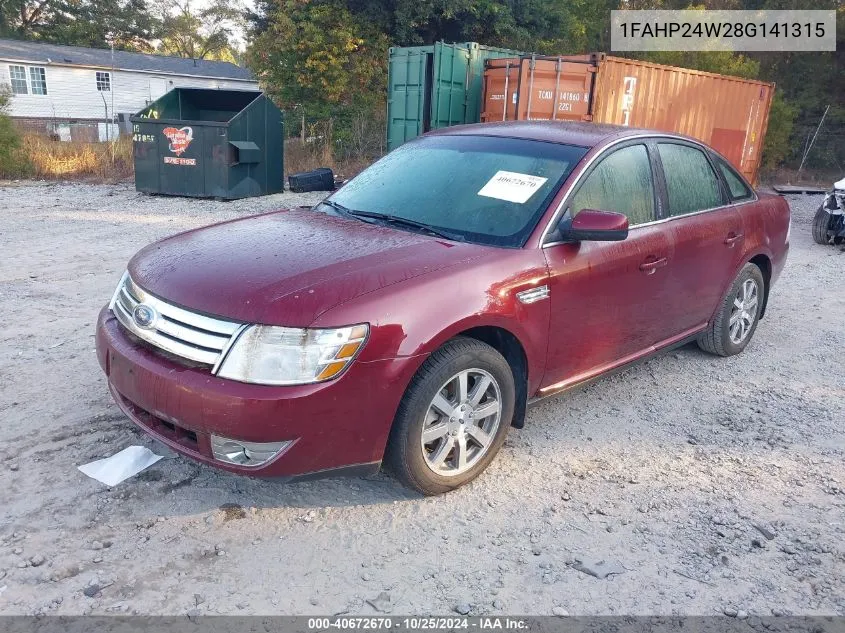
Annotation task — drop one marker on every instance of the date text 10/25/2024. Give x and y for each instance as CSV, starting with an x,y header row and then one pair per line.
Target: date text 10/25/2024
x,y
419,623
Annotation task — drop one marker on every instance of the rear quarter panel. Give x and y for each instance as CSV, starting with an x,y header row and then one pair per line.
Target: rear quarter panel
x,y
765,225
766,229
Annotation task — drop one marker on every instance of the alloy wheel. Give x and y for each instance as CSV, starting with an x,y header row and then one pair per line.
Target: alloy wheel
x,y
461,422
744,311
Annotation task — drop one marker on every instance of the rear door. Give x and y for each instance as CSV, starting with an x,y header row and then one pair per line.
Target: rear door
x,y
705,228
608,298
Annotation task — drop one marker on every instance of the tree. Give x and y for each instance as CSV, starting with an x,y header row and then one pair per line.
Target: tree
x,y
126,23
23,17
318,55
13,162
328,56
206,33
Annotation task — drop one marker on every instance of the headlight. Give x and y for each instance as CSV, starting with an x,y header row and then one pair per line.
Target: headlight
x,y
270,355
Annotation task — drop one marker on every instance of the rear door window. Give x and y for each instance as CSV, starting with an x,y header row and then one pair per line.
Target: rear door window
x,y
691,184
622,183
736,185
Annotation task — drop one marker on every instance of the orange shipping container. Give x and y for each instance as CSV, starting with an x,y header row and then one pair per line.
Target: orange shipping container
x,y
728,113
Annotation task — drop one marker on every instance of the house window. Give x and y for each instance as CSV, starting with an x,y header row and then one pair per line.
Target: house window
x,y
38,80
103,81
18,76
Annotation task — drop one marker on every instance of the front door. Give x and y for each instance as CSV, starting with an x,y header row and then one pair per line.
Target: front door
x,y
608,298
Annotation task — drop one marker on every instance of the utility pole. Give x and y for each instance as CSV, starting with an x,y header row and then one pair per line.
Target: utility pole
x,y
111,89
810,146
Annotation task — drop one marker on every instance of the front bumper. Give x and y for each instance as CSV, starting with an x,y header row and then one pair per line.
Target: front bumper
x,y
338,424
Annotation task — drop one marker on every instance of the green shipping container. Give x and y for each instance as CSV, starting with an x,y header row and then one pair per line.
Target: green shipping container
x,y
208,143
435,86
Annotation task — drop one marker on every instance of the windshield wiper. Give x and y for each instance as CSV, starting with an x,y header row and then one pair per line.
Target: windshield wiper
x,y
411,224
394,220
336,206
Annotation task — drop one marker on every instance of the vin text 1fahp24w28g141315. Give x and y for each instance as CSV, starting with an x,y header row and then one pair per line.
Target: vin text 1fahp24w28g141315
x,y
411,316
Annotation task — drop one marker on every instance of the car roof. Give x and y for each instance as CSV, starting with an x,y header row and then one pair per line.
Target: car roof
x,y
569,132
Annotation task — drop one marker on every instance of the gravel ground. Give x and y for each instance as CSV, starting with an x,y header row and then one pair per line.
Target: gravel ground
x,y
706,485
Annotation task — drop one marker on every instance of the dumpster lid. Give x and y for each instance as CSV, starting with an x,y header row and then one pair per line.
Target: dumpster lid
x,y
244,145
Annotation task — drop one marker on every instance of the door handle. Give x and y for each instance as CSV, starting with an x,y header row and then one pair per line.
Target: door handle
x,y
732,239
650,266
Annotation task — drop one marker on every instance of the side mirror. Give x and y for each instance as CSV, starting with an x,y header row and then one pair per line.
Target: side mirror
x,y
590,225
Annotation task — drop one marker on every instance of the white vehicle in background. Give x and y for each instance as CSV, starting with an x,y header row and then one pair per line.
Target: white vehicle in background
x,y
829,222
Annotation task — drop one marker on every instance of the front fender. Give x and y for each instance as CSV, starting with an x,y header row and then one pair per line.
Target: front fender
x,y
416,317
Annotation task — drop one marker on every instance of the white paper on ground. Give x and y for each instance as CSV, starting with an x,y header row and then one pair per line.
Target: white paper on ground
x,y
112,470
512,186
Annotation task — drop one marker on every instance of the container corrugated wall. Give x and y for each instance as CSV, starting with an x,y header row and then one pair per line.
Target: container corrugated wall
x,y
435,86
728,113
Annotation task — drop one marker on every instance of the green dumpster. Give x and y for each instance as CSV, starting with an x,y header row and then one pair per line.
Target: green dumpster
x,y
435,86
209,143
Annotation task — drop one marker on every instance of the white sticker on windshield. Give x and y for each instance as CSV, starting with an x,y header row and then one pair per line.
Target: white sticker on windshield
x,y
511,186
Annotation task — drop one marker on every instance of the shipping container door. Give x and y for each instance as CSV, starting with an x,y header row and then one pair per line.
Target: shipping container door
x,y
409,93
554,89
451,78
501,87
478,55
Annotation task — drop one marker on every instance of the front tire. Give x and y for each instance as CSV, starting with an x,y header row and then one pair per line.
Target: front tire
x,y
738,314
453,418
821,223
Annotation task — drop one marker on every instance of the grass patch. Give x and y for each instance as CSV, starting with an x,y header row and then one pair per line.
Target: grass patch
x,y
56,160
299,158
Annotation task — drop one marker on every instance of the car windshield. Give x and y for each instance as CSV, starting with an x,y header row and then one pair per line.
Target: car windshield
x,y
482,189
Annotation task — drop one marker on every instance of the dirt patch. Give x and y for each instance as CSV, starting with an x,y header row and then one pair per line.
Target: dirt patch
x,y
232,512
665,474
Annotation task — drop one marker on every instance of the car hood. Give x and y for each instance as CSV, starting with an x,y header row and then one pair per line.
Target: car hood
x,y
287,267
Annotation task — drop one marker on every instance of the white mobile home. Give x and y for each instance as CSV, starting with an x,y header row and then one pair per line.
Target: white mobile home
x,y
57,87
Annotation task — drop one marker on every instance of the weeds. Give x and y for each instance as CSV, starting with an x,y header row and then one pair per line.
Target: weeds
x,y
48,159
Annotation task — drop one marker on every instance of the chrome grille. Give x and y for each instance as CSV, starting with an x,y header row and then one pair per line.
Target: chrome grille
x,y
181,332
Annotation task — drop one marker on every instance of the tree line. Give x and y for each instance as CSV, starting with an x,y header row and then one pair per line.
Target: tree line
x,y
327,58
199,30
325,61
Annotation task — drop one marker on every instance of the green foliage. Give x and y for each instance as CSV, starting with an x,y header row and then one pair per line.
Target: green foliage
x,y
324,61
170,27
13,162
720,62
779,132
320,60
128,23
204,33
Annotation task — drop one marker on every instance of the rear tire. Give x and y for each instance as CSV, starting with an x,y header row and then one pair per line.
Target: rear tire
x,y
434,451
737,316
821,223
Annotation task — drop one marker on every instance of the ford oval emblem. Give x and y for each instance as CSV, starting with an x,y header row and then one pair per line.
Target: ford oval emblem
x,y
145,316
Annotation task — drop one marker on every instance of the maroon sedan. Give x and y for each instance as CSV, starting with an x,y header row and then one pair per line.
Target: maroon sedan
x,y
413,315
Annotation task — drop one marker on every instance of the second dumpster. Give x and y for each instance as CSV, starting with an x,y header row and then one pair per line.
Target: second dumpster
x,y
209,143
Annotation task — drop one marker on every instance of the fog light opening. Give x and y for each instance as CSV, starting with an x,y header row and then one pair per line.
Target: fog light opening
x,y
248,454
